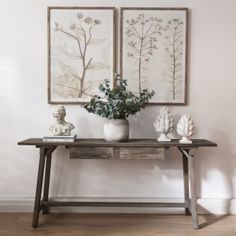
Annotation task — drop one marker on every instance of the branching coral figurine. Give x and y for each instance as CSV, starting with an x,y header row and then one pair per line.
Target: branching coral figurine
x,y
164,124
185,128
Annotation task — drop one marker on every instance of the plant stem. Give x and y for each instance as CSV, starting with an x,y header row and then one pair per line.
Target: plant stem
x,y
82,55
85,65
174,64
140,61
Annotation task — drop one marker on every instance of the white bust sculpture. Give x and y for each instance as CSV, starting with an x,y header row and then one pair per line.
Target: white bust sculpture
x,y
61,127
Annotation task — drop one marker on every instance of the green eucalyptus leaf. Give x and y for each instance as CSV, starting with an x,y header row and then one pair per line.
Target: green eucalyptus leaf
x,y
119,103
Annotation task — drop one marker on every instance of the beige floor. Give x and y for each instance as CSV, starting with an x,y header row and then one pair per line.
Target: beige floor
x,y
116,225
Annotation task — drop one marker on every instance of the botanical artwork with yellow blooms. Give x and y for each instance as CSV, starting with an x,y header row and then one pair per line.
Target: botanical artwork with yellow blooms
x,y
81,52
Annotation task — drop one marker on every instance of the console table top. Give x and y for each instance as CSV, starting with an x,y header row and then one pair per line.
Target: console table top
x,y
130,143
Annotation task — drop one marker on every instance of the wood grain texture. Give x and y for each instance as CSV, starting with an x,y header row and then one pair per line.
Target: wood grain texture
x,y
116,225
99,148
91,153
124,153
131,143
114,204
194,207
37,205
46,181
128,153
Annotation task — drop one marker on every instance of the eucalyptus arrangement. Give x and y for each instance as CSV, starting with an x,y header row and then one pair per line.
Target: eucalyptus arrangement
x,y
116,105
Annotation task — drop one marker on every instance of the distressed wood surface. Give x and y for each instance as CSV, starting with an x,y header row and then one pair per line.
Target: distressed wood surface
x,y
37,204
141,153
123,153
131,143
194,207
113,204
137,148
91,153
47,181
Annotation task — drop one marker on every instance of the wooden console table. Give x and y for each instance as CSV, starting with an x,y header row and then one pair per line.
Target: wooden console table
x,y
100,149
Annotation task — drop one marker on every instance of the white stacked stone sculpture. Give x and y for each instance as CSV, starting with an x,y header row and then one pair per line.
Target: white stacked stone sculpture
x,y
185,128
164,124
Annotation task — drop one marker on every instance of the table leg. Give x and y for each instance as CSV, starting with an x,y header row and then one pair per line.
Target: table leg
x,y
47,181
190,183
193,192
186,183
37,205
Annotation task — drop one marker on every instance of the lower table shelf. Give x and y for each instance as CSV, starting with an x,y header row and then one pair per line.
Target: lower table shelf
x,y
114,204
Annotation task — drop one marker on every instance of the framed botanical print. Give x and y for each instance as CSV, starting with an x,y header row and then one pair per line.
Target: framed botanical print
x,y
153,52
81,52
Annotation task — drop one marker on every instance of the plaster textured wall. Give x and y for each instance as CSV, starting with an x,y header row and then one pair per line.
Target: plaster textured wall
x,y
24,111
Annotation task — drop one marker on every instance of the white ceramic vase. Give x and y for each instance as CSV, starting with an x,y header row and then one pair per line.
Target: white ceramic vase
x,y
116,130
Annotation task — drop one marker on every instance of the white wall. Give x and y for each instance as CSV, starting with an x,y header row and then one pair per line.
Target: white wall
x,y
24,111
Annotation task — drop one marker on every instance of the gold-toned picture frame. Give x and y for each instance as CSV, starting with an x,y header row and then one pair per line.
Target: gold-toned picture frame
x,y
153,52
81,52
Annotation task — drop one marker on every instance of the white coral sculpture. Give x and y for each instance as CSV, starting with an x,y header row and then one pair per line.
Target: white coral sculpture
x,y
185,128
164,124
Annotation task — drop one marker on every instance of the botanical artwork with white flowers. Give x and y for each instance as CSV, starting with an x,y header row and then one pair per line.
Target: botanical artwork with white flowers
x,y
153,52
81,52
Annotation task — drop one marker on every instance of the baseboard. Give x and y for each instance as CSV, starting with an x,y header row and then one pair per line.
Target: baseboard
x,y
206,206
